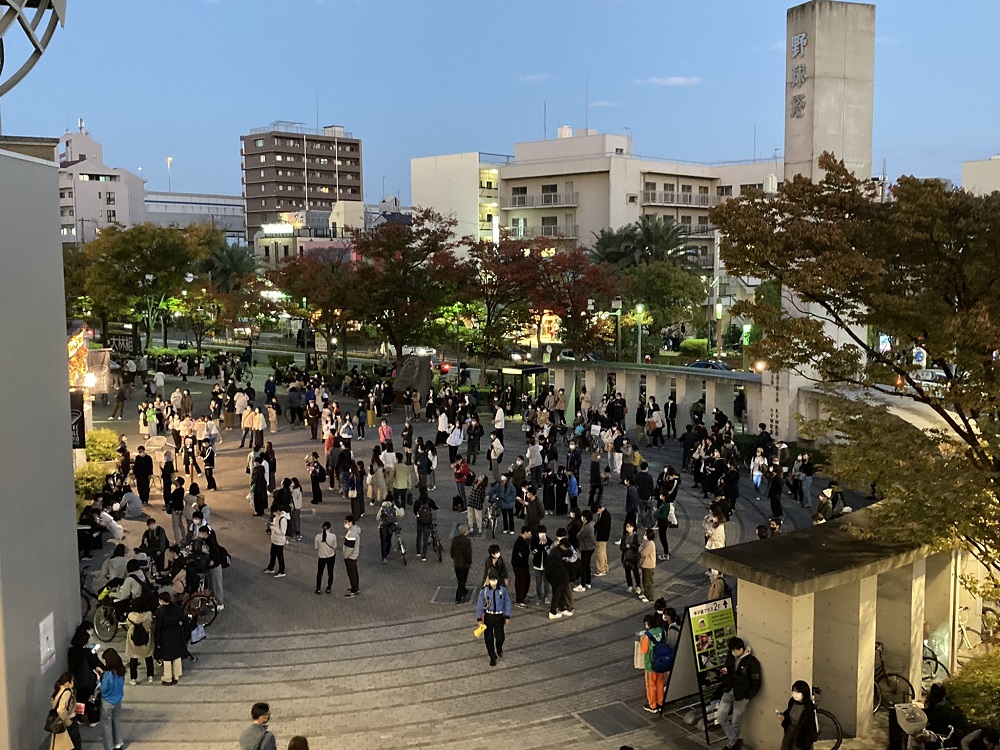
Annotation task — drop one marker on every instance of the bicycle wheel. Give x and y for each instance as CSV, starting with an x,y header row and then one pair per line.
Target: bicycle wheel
x,y
402,550
829,735
84,606
932,671
895,689
106,622
877,702
438,548
203,608
970,646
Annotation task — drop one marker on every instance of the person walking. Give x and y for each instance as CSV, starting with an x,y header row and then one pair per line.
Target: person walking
x,y
169,639
741,679
325,544
461,557
352,546
142,467
493,611
520,561
586,543
798,720
279,537
64,704
112,694
139,641
647,566
651,637
257,736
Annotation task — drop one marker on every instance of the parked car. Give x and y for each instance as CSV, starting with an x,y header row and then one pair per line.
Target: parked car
x,y
709,364
568,355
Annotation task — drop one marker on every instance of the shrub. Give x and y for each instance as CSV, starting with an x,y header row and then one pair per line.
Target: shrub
x,y
694,347
280,361
87,482
102,445
974,690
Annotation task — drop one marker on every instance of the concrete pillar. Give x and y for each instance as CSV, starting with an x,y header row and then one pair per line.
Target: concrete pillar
x,y
653,381
779,630
628,386
940,584
711,400
844,652
683,402
590,381
900,620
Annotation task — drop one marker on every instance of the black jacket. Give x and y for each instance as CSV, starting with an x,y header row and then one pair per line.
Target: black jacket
x,y
142,466
806,732
602,526
644,484
520,557
743,678
170,639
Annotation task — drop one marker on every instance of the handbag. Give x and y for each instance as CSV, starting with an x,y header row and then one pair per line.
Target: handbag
x,y
638,658
352,494
93,708
54,723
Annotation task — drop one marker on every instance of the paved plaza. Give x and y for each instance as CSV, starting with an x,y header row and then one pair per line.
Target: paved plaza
x,y
398,666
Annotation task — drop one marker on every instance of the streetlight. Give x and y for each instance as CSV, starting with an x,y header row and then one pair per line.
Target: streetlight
x,y
616,306
638,318
170,160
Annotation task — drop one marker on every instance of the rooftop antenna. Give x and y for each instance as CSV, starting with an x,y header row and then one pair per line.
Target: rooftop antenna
x,y
586,103
545,120
317,109
755,141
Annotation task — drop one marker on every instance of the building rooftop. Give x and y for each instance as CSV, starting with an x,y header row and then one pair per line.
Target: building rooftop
x,y
298,128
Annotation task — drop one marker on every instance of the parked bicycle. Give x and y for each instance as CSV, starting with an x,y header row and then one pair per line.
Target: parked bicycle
x,y
970,642
436,543
491,515
105,618
932,670
890,687
829,734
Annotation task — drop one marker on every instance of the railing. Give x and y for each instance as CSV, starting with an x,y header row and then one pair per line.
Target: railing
x,y
654,198
701,230
543,200
549,230
492,193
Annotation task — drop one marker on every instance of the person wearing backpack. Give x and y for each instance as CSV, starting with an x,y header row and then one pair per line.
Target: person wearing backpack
x,y
424,509
139,642
659,657
387,519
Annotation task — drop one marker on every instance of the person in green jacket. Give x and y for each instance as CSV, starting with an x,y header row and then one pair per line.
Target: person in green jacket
x,y
654,680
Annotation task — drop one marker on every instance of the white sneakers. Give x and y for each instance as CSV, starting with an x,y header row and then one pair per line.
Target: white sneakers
x,y
555,615
579,588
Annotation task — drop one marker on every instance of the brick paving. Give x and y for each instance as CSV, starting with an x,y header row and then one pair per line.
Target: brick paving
x,y
391,668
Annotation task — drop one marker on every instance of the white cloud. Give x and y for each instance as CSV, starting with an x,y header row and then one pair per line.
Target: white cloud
x,y
603,103
535,77
673,81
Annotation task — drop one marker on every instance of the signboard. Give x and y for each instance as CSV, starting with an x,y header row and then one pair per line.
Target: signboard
x,y
123,339
47,641
77,423
99,365
701,653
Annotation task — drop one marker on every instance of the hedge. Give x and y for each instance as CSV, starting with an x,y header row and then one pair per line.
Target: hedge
x,y
88,481
694,347
973,690
102,445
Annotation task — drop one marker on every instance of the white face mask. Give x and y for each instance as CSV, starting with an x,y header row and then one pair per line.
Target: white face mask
x,y
796,696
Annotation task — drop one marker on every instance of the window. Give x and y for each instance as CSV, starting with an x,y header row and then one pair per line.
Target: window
x,y
649,187
518,227
285,249
262,173
112,217
262,188
633,198
519,196
703,221
259,143
519,191
685,188
99,195
703,190
724,190
549,189
669,187
110,199
262,201
749,186
267,251
263,158
686,221
279,157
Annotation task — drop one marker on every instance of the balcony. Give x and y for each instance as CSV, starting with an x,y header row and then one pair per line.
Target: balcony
x,y
541,200
654,198
700,230
567,231
489,194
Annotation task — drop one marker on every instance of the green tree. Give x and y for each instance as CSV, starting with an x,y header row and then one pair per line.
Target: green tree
x,y
651,239
669,294
921,269
229,267
406,272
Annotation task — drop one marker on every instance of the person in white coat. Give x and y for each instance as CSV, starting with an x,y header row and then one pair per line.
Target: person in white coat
x,y
326,550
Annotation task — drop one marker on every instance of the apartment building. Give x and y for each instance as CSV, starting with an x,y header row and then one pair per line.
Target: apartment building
x,y
463,186
223,212
982,176
289,167
92,195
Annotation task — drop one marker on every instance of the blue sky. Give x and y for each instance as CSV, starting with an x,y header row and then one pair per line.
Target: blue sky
x,y
184,78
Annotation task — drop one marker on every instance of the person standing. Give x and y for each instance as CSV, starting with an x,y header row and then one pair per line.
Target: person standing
x,y
208,461
461,557
495,454
279,532
139,641
112,694
651,637
64,704
670,418
806,472
602,535
325,544
142,467
493,611
423,509
506,496
352,546
798,720
169,639
257,736
541,546
498,421
477,498
647,566
741,679
175,504
557,573
520,561
586,543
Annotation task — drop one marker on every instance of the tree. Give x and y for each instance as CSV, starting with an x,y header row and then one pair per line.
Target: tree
x,y
405,273
138,268
651,239
498,293
200,308
563,283
669,294
326,279
921,270
229,267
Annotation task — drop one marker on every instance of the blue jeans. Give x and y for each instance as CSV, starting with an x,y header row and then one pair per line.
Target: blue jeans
x,y
461,494
807,483
423,538
109,724
542,588
730,715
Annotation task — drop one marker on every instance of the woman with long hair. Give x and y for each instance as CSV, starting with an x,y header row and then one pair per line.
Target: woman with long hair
x,y
799,719
64,703
112,693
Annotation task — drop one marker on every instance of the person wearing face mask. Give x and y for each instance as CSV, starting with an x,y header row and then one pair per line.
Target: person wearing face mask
x,y
799,719
495,564
493,611
741,678
352,546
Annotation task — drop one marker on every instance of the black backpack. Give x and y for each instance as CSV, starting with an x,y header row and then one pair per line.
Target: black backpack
x,y
140,636
424,515
227,559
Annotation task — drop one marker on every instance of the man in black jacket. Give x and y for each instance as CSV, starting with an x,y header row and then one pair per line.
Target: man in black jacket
x,y
741,680
670,417
142,467
520,561
602,533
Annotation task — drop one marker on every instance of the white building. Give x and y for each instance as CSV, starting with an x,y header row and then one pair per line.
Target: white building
x,y
92,195
981,177
181,209
463,186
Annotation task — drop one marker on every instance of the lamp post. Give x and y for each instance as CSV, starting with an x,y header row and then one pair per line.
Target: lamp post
x,y
616,306
638,325
170,160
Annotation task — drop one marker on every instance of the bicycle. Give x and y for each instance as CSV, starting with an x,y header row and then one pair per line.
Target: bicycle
x,y
490,518
105,617
969,642
436,543
202,604
890,687
397,531
829,734
932,670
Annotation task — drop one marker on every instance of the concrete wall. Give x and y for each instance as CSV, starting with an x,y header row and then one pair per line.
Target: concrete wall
x,y
981,177
450,185
38,562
